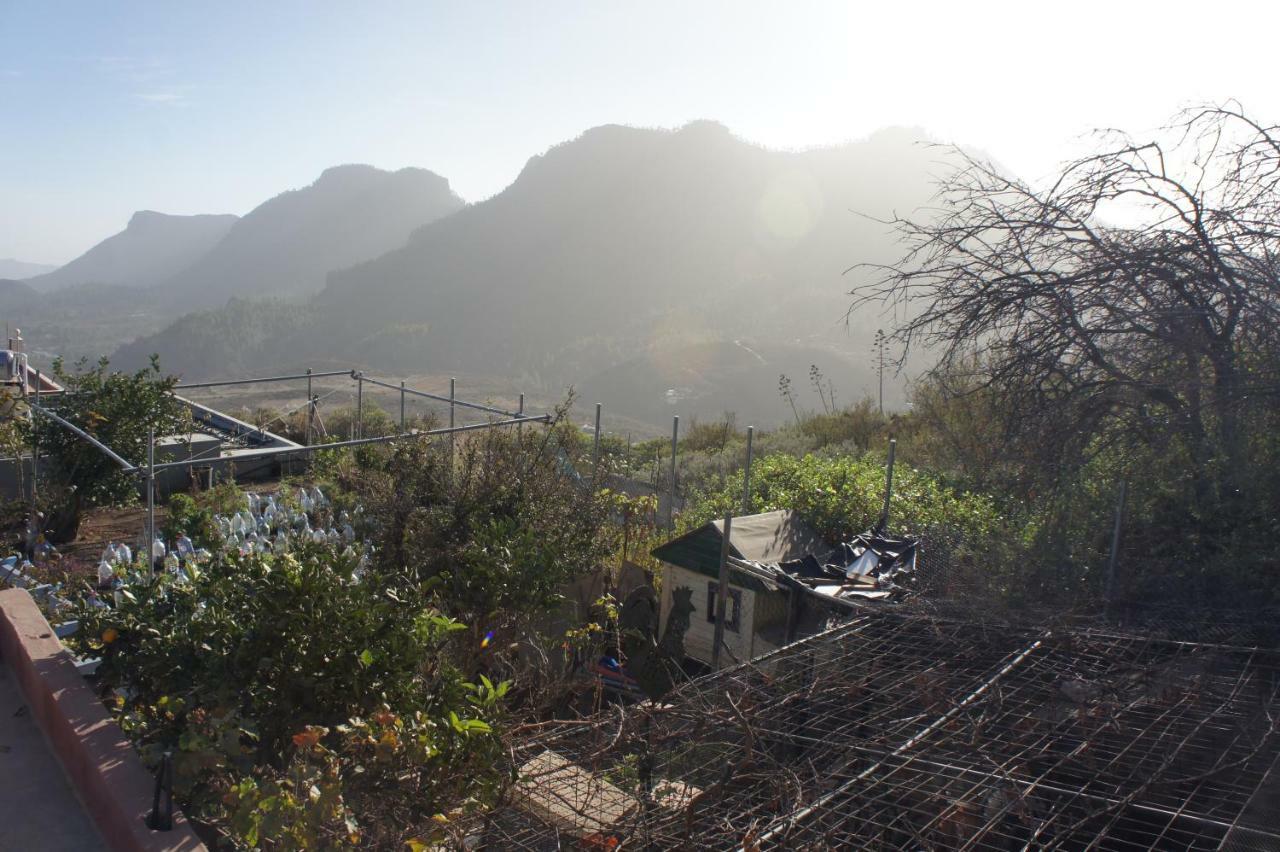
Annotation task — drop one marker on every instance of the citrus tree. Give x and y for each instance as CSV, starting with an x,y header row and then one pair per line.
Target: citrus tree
x,y
304,706
117,409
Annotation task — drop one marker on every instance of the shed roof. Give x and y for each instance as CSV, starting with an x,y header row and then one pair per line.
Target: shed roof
x,y
769,537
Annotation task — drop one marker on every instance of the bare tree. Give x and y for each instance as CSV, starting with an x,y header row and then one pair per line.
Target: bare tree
x,y
1163,325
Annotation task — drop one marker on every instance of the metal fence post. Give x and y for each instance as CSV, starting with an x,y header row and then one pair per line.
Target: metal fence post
x,y
401,405
722,591
595,444
160,820
746,475
35,450
520,426
311,420
1114,556
453,387
310,407
359,425
675,438
151,496
888,487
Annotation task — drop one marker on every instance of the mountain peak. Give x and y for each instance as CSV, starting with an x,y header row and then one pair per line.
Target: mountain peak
x,y
350,175
152,247
153,218
349,172
351,213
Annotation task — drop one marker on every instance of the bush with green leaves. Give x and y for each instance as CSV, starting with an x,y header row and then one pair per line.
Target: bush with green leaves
x,y
117,409
187,517
842,495
261,670
501,521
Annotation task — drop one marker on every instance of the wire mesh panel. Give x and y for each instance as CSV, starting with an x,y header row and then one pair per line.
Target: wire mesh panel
x,y
1105,743
903,731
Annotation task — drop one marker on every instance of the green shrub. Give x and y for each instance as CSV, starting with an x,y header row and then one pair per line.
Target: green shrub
x,y
860,425
187,517
842,495
262,670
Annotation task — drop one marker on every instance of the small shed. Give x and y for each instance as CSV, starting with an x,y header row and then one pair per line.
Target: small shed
x,y
757,608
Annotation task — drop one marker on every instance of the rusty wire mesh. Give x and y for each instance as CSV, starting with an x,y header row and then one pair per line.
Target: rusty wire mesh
x,y
900,730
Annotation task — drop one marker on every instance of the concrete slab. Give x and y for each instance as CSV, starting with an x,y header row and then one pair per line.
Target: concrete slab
x,y
38,807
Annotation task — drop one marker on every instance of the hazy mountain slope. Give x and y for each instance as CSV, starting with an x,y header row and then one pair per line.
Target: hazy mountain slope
x,y
616,260
152,248
285,246
220,343
630,235
16,270
85,320
15,295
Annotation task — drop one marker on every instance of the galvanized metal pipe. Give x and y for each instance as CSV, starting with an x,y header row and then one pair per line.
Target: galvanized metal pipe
x,y
675,438
35,447
80,433
357,429
595,444
151,495
307,375
888,486
452,443
310,407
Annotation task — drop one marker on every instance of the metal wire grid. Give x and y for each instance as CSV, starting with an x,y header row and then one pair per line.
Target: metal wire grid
x,y
901,731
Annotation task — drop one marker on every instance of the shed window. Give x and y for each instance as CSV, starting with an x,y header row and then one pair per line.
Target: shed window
x,y
735,606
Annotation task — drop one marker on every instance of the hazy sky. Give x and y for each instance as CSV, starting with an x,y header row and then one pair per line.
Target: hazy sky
x,y
107,108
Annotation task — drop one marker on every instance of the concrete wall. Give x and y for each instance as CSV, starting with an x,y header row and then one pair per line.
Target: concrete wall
x,y
171,448
105,771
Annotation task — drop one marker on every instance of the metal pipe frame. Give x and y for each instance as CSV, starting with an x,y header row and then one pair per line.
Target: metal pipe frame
x,y
440,398
354,375
297,377
544,419
126,466
513,418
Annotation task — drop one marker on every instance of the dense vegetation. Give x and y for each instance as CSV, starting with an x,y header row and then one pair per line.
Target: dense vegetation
x,y
329,696
303,706
323,698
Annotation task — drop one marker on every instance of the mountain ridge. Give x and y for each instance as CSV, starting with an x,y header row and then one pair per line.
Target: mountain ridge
x,y
286,245
152,247
616,248
12,269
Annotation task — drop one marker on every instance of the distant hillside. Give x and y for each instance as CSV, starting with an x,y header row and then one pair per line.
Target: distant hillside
x,y
16,270
15,295
634,238
221,343
152,248
619,260
286,246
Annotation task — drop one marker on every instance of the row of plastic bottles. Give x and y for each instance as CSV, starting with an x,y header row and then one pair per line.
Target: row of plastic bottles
x,y
264,525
